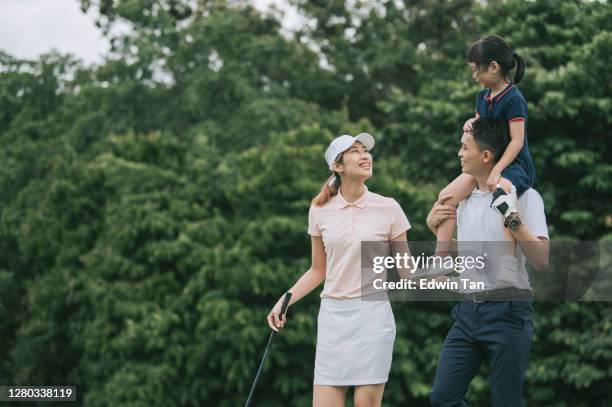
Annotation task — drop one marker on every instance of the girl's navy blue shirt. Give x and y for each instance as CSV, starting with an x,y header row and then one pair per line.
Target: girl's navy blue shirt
x,y
509,105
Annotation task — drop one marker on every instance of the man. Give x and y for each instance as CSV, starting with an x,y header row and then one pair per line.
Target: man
x,y
495,323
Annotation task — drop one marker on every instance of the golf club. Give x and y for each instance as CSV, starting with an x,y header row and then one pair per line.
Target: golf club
x,y
263,360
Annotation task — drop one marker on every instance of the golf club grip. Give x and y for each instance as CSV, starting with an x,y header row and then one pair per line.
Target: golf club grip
x,y
285,303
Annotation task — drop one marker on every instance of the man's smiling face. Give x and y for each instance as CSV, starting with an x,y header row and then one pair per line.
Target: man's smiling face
x,y
470,155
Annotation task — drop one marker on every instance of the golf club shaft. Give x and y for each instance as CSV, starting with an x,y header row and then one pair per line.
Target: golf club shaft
x,y
265,355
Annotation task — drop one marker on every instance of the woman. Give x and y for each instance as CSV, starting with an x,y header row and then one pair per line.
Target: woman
x,y
354,336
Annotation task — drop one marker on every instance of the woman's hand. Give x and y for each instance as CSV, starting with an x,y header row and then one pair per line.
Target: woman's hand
x,y
274,320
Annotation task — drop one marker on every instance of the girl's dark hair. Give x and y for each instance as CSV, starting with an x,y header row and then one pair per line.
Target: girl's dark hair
x,y
493,48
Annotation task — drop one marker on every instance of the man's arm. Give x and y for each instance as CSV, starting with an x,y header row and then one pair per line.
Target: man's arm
x,y
535,248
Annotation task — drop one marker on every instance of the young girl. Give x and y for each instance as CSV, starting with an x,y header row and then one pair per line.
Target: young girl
x,y
491,60
355,334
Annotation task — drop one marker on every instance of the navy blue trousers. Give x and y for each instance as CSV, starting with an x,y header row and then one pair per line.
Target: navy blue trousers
x,y
499,332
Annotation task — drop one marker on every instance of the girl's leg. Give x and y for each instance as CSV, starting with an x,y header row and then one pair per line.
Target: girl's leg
x,y
505,183
369,395
460,188
328,396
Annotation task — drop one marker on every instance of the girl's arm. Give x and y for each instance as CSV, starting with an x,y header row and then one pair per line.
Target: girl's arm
x,y
310,280
517,139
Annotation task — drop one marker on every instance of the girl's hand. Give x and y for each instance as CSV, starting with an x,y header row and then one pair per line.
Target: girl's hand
x,y
467,126
493,180
274,320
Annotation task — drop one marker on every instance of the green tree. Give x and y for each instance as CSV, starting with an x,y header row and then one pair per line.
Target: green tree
x,y
154,206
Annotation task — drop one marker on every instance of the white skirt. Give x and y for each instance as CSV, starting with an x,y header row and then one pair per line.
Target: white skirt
x,y
354,342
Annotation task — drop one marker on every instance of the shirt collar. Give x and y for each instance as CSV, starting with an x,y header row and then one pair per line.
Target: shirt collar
x,y
500,94
479,192
359,203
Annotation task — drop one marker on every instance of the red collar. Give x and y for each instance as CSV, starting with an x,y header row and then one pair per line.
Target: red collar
x,y
500,94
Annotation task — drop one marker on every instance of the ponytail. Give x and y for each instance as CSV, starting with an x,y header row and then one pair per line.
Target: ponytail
x,y
328,190
494,48
520,67
331,186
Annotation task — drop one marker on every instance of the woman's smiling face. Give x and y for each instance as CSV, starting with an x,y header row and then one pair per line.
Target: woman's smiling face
x,y
356,162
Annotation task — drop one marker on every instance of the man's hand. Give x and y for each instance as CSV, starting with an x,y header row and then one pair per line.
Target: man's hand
x,y
505,203
440,212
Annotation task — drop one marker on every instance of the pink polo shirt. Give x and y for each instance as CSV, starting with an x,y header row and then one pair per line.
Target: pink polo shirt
x,y
344,225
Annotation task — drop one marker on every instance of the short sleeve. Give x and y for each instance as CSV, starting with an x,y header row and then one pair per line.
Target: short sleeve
x,y
313,228
516,109
531,208
399,221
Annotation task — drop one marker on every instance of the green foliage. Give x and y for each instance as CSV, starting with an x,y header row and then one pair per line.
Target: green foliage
x,y
154,207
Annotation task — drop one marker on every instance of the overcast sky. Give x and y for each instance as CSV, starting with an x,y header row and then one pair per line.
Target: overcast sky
x,y
29,28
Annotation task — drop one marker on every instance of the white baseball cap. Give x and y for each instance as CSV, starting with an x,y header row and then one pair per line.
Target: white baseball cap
x,y
342,143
